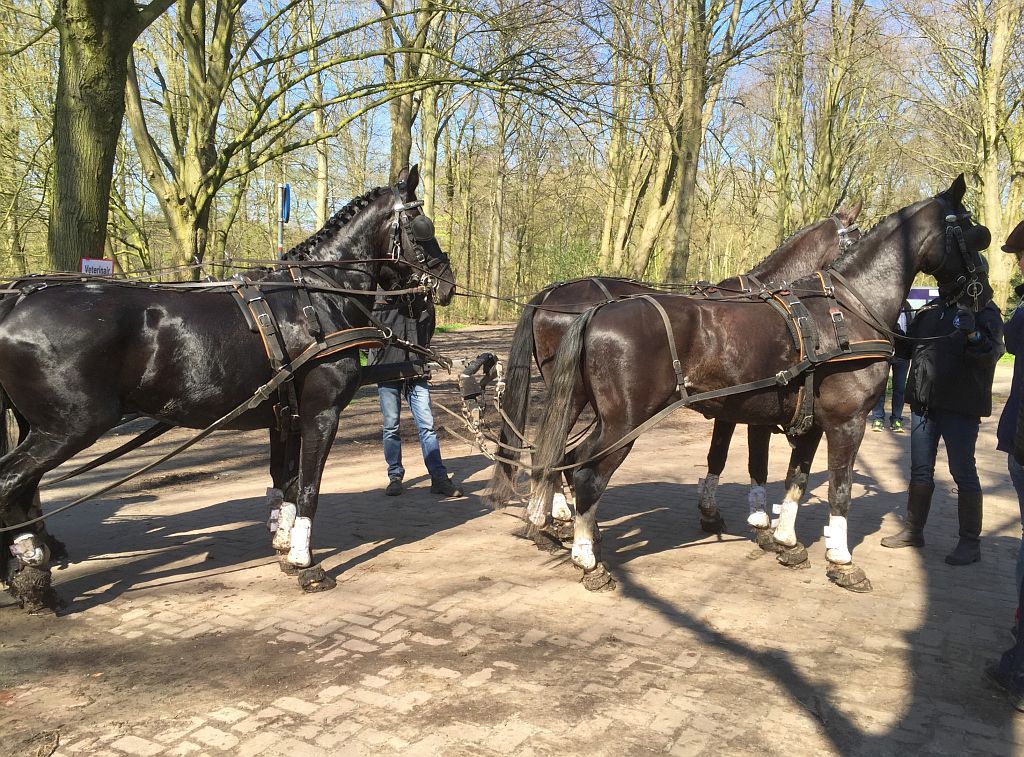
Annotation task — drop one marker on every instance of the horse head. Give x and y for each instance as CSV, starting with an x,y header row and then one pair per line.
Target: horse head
x,y
416,256
956,262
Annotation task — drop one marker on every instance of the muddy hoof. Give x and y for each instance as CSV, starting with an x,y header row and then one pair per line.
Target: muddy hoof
x,y
545,541
286,567
712,523
850,577
563,530
33,590
598,579
313,579
793,557
765,540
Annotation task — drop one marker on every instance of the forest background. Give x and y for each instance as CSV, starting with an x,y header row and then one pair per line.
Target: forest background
x,y
667,140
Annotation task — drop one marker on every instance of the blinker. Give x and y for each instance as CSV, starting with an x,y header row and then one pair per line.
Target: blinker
x,y
421,228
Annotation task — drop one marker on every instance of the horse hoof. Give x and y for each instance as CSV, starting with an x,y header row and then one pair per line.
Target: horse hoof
x,y
32,588
765,540
598,579
793,557
850,577
286,567
563,530
314,579
546,541
712,523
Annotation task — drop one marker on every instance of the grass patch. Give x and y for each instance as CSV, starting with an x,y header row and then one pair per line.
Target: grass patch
x,y
450,327
1006,358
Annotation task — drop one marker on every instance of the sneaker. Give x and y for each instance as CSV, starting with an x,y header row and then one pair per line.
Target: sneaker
x,y
897,427
444,486
394,487
877,425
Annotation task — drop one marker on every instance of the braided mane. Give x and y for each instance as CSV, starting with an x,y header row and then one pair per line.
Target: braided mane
x,y
334,224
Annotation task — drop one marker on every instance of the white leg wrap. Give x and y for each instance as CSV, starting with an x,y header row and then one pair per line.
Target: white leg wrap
x,y
784,525
299,554
757,499
560,508
30,551
706,488
836,549
285,522
583,554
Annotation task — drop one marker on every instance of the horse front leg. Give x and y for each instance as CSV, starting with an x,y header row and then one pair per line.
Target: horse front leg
x,y
843,443
791,553
326,391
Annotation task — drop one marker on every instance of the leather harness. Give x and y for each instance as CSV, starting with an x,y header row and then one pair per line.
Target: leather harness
x,y
806,337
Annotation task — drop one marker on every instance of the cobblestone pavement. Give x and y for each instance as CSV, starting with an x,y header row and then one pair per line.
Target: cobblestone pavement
x,y
448,635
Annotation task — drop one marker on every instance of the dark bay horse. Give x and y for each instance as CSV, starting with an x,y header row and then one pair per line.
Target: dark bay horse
x,y
76,357
620,359
549,314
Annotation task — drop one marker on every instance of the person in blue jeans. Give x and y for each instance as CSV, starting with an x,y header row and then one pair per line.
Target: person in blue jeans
x,y
411,320
950,390
898,367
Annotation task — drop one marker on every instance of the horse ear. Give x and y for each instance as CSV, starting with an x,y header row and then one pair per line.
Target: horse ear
x,y
403,176
848,215
413,179
957,189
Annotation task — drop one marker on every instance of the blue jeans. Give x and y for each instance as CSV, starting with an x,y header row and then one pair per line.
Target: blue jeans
x,y
1017,477
959,433
417,395
899,369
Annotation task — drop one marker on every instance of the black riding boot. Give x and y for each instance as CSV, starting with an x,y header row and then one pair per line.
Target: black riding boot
x,y
919,502
968,549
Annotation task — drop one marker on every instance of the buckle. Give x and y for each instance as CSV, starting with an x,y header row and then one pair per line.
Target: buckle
x,y
309,311
836,314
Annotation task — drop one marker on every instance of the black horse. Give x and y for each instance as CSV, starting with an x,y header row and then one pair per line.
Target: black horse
x,y
76,357
621,357
549,314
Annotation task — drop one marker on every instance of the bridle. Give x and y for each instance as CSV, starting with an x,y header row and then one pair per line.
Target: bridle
x,y
969,283
846,241
411,233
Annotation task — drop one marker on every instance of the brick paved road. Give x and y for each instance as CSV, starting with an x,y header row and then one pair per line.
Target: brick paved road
x,y
447,635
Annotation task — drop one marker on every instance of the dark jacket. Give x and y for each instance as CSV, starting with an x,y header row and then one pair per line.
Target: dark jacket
x,y
1013,333
410,319
950,373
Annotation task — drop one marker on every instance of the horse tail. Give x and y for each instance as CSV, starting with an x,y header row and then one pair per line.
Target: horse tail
x,y
515,403
559,411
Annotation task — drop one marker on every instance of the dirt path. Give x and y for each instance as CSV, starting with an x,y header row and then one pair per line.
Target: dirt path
x,y
447,635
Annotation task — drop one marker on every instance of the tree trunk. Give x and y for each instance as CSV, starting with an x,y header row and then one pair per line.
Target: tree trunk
x,y
95,39
88,110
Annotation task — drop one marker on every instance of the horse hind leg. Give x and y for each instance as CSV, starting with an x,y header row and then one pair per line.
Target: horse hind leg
x,y
711,520
590,483
789,551
284,458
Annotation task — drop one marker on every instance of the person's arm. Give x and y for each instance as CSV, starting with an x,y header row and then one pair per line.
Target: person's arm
x,y
983,345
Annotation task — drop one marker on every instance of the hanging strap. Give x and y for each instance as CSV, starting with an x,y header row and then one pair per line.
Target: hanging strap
x,y
677,366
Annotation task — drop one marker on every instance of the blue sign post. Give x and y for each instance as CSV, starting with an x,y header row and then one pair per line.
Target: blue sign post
x,y
284,211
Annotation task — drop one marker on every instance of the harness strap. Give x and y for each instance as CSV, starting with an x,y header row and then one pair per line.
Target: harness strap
x,y
602,287
676,365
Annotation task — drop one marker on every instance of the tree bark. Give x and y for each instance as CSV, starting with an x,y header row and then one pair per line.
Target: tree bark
x,y
95,39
